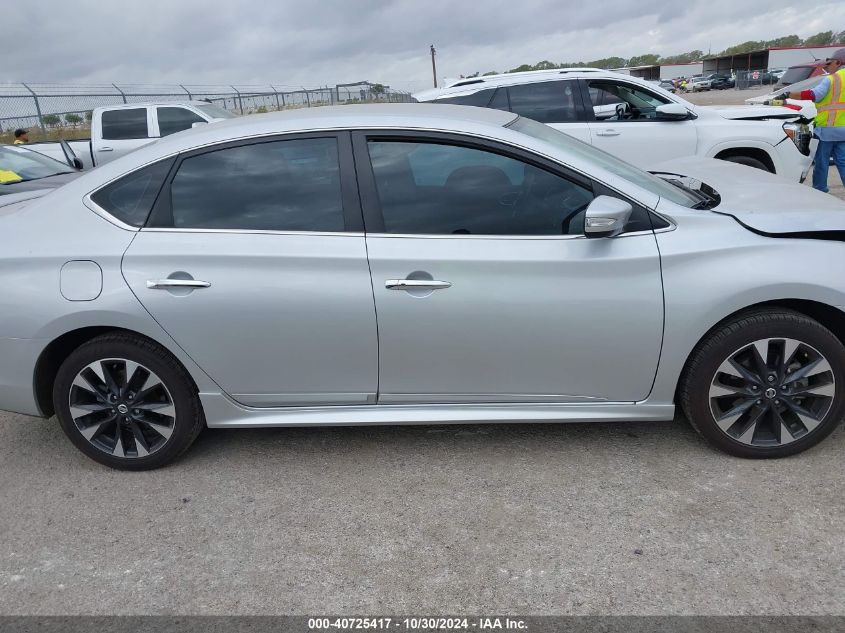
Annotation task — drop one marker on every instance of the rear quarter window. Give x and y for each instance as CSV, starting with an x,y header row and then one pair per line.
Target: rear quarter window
x,y
131,197
124,124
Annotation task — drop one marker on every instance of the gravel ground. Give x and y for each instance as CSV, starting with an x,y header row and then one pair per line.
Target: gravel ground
x,y
523,519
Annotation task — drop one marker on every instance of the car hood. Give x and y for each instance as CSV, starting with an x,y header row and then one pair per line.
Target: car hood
x,y
49,182
763,202
751,112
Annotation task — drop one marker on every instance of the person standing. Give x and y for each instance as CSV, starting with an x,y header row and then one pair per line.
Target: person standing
x,y
21,136
829,96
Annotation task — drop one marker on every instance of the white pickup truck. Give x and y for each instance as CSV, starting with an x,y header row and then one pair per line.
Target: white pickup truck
x,y
639,121
117,130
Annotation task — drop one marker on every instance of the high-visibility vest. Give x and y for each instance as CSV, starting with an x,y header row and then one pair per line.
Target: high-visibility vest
x,y
831,109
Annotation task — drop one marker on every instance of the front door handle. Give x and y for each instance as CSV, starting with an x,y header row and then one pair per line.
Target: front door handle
x,y
416,284
106,149
609,132
163,284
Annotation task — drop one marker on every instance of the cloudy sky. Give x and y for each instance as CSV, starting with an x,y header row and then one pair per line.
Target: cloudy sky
x,y
322,42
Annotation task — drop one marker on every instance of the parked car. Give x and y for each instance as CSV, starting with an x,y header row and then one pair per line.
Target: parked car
x,y
721,82
407,263
667,85
635,120
799,72
22,169
698,84
117,130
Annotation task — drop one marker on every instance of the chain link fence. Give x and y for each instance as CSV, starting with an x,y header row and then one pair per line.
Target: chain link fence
x,y
49,106
746,79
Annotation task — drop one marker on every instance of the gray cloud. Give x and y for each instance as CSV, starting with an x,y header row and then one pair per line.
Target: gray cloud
x,y
297,43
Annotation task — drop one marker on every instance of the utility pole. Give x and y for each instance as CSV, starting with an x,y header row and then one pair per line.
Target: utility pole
x,y
433,65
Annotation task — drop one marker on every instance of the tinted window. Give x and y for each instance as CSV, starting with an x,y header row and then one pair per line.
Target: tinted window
x,y
125,124
547,102
432,188
796,74
131,197
623,102
500,100
479,99
172,120
280,186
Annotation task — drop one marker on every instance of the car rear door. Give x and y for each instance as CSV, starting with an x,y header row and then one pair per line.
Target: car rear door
x,y
638,137
556,103
116,132
485,287
254,261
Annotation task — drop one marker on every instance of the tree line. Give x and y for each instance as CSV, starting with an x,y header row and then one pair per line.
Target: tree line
x,y
824,38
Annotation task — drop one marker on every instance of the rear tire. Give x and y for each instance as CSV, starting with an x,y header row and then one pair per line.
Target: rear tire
x,y
787,404
126,402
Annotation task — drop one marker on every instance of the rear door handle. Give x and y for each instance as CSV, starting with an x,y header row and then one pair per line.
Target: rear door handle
x,y
163,284
105,149
609,132
416,284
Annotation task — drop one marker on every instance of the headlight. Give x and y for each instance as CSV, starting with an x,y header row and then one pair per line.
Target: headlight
x,y
800,134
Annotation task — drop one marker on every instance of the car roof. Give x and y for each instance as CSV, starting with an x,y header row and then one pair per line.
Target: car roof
x,y
145,104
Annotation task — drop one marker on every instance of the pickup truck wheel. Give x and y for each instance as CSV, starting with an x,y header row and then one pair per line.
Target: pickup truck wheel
x,y
768,383
748,161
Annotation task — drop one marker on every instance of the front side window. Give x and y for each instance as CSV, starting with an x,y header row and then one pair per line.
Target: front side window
x,y
124,124
612,101
439,189
291,185
131,197
546,102
172,120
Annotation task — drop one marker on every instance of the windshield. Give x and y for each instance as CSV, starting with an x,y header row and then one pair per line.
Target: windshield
x,y
18,164
601,159
215,111
795,74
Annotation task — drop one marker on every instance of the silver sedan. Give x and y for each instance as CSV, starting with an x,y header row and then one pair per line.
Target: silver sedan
x,y
404,264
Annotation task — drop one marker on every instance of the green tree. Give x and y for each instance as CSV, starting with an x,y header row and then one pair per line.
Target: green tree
x,y
491,72
840,38
745,47
377,90
820,39
643,60
604,62
89,116
784,42
73,119
51,120
683,58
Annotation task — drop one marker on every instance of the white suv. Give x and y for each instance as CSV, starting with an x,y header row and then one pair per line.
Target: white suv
x,y
636,120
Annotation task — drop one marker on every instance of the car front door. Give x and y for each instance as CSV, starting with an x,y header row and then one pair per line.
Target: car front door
x,y
486,288
625,124
254,261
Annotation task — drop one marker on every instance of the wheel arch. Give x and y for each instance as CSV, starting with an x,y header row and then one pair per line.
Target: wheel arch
x,y
55,353
756,153
830,317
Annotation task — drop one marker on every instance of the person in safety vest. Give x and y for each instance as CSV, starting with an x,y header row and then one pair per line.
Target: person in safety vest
x,y
829,96
21,136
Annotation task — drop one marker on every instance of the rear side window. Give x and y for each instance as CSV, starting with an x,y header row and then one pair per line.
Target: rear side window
x,y
480,99
546,102
172,120
125,124
291,185
131,197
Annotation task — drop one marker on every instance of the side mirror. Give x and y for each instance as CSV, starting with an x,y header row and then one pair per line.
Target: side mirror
x,y
606,217
198,124
70,155
672,112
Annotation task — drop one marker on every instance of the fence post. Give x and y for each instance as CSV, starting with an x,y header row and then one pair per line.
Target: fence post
x,y
307,97
37,106
276,94
121,92
240,102
188,92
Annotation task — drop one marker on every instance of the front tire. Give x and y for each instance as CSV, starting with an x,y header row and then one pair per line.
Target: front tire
x,y
125,402
748,161
766,384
